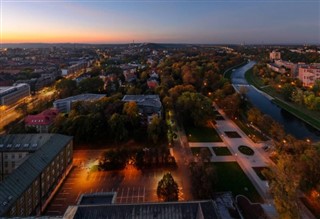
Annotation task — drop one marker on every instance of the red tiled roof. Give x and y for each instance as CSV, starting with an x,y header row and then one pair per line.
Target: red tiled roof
x,y
44,118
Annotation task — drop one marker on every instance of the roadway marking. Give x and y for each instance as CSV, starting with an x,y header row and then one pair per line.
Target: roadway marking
x,y
78,196
121,195
54,212
144,193
127,194
133,194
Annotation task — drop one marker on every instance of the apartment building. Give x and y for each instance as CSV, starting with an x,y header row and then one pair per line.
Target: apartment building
x,y
32,167
12,94
65,105
308,74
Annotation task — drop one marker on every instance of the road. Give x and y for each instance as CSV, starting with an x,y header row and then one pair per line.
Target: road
x,y
183,156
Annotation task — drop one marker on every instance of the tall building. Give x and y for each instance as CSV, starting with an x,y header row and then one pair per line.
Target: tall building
x,y
275,55
32,168
11,95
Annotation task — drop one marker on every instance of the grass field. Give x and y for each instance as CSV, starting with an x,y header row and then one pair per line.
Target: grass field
x,y
202,134
221,151
232,178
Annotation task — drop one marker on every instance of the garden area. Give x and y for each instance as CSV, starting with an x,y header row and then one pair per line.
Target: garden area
x,y
259,172
232,134
232,178
246,150
201,134
221,151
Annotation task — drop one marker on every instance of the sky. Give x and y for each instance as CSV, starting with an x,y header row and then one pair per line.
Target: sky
x,y
161,21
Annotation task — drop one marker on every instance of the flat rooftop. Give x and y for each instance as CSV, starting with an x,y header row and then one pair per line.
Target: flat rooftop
x,y
81,97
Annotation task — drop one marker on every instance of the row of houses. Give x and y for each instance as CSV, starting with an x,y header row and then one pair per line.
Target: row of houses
x,y
307,73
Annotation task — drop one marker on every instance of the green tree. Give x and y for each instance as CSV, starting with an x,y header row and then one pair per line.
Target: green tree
x,y
203,180
287,91
195,107
167,189
154,129
66,87
91,85
117,127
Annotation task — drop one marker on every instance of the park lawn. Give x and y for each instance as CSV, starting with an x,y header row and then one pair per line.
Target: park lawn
x,y
221,151
232,178
196,150
232,134
202,134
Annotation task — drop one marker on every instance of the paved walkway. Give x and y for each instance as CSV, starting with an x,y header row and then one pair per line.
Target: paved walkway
x,y
246,162
207,144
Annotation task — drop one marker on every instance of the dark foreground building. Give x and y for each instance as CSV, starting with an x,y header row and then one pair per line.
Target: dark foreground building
x,y
44,161
101,205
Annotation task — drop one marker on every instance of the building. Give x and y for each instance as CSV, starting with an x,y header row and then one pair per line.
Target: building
x,y
42,121
276,68
129,73
101,205
65,105
308,74
152,83
149,105
288,65
80,66
11,95
32,167
275,55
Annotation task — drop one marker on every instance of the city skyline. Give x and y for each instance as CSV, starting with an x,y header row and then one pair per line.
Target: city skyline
x,y
269,22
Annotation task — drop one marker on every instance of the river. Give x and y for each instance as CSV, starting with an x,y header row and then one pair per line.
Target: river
x,y
291,123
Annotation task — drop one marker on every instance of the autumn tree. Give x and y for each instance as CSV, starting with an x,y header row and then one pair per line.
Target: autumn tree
x,y
284,185
167,189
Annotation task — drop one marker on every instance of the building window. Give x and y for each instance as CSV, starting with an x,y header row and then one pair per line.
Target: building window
x,y
12,156
6,156
13,211
13,164
20,155
6,164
